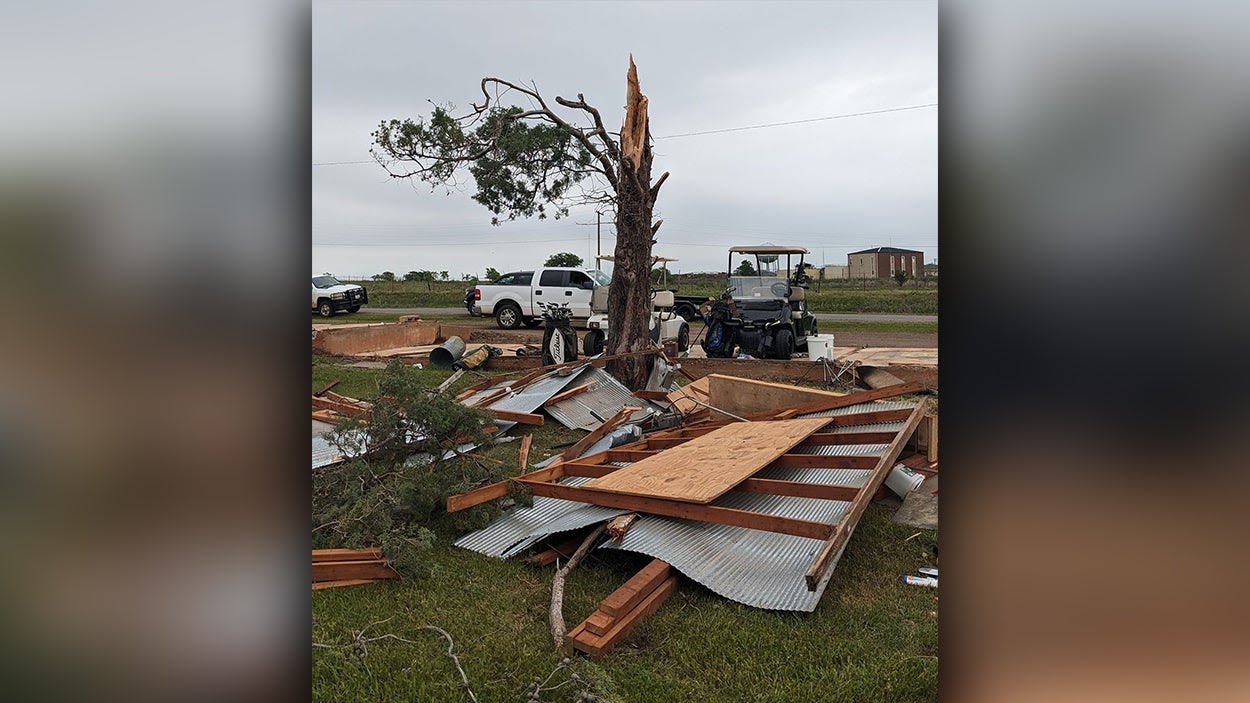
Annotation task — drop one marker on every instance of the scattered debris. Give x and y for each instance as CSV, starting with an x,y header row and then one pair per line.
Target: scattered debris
x,y
620,612
929,581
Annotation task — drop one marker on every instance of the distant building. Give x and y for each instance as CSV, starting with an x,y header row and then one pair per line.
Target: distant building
x,y
930,269
824,273
883,262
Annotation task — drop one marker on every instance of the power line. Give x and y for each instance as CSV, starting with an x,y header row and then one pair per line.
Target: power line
x,y
810,119
731,129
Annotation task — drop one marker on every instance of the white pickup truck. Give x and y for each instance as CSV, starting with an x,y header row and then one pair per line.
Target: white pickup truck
x,y
511,298
329,295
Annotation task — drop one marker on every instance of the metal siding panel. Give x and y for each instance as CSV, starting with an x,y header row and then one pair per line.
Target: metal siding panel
x,y
521,527
588,410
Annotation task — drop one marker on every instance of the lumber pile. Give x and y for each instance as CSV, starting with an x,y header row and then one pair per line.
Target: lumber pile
x,y
331,407
332,568
620,612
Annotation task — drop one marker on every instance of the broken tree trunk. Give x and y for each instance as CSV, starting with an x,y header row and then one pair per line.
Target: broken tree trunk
x,y
629,306
558,629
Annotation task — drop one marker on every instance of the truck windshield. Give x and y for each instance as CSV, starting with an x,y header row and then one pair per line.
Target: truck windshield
x,y
600,277
325,282
758,287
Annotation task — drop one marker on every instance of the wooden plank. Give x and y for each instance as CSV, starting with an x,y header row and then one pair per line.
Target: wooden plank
x,y
843,401
477,496
599,622
795,488
682,509
747,396
597,646
842,531
340,583
565,395
523,454
696,389
661,396
323,390
339,570
630,455
339,407
346,554
598,433
577,468
638,587
869,417
522,418
706,467
816,461
658,443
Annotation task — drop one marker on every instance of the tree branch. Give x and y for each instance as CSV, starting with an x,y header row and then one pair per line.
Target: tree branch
x,y
558,629
655,189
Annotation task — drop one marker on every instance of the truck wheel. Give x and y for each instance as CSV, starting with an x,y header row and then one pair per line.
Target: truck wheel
x,y
687,311
354,308
683,338
592,342
325,308
783,344
508,316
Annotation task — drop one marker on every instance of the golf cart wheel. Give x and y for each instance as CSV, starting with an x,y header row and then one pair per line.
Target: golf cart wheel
x,y
683,338
687,311
508,316
592,343
326,309
783,344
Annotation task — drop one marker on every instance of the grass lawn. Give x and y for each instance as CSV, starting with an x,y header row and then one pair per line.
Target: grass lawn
x,y
871,638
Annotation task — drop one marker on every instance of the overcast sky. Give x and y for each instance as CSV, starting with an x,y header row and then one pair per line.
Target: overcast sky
x,y
833,186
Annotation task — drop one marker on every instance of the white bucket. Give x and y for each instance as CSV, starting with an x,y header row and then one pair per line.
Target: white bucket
x,y
903,480
820,346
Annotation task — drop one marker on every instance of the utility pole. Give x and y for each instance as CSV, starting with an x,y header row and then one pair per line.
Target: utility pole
x,y
598,242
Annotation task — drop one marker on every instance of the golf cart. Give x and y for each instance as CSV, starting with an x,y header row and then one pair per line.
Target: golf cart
x,y
664,325
764,315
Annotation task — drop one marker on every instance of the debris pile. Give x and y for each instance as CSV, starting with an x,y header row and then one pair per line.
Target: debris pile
x,y
333,568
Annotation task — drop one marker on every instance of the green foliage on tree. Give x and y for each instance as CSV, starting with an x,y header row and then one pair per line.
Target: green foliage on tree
x,y
384,276
492,274
564,258
394,495
444,276
746,268
900,277
412,276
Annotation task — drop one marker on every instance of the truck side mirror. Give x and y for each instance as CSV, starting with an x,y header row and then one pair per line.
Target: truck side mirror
x,y
588,285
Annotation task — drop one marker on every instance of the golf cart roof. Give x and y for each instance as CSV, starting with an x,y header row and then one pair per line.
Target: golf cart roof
x,y
654,259
768,249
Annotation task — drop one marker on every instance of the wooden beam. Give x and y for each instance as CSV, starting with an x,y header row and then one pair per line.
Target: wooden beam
x,y
323,390
682,509
596,434
596,646
841,401
565,395
652,395
577,468
339,570
795,488
477,496
522,418
523,454
869,417
628,454
842,531
346,554
319,585
638,587
817,461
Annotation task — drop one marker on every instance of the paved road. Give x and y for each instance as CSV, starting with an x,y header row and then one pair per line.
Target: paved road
x,y
831,316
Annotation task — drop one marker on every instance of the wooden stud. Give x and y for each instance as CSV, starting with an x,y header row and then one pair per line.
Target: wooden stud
x,y
598,433
682,509
842,401
795,488
339,570
521,418
565,395
842,531
639,586
477,496
827,438
319,585
323,390
817,461
597,646
523,455
346,554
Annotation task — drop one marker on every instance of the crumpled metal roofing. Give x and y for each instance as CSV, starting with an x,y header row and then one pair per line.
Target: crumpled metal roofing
x,y
521,527
527,399
588,410
872,427
870,406
841,449
323,453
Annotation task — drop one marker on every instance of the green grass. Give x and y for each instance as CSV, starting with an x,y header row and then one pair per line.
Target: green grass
x,y
871,638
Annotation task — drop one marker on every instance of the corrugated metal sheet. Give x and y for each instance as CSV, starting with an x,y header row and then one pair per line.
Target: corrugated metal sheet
x,y
588,410
874,427
521,527
841,449
323,453
871,406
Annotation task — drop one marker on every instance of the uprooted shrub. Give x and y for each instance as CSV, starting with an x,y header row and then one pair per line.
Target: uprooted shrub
x,y
413,452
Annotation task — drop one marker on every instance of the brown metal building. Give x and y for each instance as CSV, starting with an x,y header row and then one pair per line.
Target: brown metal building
x,y
883,262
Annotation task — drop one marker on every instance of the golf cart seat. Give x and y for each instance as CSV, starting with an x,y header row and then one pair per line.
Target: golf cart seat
x,y
662,299
797,297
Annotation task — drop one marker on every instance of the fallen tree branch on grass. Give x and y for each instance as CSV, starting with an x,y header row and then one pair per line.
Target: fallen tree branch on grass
x,y
558,628
360,647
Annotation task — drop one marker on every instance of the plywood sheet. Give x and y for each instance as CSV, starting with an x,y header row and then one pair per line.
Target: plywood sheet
x,y
706,467
747,396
